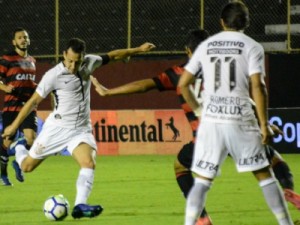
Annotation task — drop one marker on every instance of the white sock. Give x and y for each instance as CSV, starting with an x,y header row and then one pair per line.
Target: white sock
x,y
84,185
196,200
21,154
274,197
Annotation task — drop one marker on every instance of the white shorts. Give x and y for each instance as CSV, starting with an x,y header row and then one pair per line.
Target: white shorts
x,y
53,139
215,141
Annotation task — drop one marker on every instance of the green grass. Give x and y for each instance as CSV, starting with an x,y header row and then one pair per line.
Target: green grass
x,y
137,190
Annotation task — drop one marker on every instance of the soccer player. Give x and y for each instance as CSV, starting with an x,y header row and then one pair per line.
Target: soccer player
x,y
232,65
69,125
17,72
167,81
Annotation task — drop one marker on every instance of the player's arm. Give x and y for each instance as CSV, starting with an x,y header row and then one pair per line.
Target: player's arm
x,y
121,54
139,86
31,104
6,88
3,70
260,97
183,87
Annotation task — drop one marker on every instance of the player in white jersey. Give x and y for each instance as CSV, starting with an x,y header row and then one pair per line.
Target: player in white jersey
x,y
233,67
69,125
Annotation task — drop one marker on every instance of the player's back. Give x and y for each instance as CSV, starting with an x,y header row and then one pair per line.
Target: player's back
x,y
228,59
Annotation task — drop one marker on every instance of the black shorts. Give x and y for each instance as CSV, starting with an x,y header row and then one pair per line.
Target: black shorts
x,y
30,121
185,155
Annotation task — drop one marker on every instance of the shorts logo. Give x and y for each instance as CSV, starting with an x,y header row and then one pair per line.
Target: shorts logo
x,y
257,159
207,166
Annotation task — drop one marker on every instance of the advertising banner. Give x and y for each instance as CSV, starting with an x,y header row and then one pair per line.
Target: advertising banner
x,y
288,120
125,132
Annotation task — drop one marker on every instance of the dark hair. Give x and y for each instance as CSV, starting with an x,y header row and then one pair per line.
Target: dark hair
x,y
236,15
18,29
195,37
76,44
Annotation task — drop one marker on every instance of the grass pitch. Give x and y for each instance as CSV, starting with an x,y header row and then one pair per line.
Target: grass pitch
x,y
137,190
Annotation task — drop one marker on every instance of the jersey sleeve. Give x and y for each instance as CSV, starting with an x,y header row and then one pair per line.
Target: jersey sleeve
x,y
46,85
256,60
194,65
3,67
168,80
92,62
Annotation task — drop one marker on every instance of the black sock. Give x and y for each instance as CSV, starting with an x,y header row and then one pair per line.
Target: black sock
x,y
185,181
283,174
3,160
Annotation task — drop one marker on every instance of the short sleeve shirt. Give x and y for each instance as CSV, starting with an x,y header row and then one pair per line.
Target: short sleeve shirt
x,y
71,93
227,59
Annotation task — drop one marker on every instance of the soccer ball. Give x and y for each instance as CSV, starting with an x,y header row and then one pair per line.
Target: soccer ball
x,y
56,207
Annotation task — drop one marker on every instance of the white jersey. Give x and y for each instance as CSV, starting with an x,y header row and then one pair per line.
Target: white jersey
x,y
71,93
227,59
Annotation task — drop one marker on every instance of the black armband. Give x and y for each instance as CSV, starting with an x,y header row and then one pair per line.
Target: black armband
x,y
105,59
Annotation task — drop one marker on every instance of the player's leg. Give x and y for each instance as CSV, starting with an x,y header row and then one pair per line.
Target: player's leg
x,y
24,161
273,195
185,178
208,157
252,157
83,151
29,129
7,119
285,177
4,162
281,169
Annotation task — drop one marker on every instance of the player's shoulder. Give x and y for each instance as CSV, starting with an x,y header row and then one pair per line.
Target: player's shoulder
x,y
89,57
57,70
10,56
31,58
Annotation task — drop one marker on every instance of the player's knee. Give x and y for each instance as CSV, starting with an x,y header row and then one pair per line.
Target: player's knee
x,y
178,167
87,163
29,140
27,168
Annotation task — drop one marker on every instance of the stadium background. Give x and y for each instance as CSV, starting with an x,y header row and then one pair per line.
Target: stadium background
x,y
107,25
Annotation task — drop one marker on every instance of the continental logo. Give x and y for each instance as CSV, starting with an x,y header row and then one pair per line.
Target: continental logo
x,y
140,132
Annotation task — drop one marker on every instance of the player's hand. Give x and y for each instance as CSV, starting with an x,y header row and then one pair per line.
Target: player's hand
x,y
276,130
101,90
8,88
267,134
146,47
8,132
198,111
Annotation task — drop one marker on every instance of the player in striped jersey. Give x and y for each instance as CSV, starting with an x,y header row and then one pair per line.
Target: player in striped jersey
x,y
167,81
17,72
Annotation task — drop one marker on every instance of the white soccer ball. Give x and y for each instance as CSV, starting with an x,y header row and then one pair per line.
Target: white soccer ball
x,y
56,207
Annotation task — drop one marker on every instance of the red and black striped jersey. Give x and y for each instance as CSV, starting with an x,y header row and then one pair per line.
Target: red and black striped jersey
x,y
167,81
19,72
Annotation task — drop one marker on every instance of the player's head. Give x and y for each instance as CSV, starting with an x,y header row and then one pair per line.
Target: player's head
x,y
73,54
235,16
20,39
194,38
